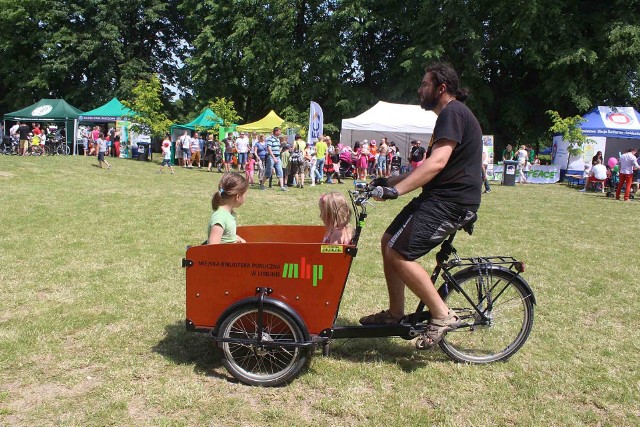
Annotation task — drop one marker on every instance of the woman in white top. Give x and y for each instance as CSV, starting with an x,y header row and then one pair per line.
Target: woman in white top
x,y
523,157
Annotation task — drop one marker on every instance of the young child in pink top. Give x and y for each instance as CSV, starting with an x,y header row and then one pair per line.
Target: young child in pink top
x,y
249,168
336,216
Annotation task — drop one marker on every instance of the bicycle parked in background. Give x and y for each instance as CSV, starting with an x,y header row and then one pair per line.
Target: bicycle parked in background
x,y
10,146
57,146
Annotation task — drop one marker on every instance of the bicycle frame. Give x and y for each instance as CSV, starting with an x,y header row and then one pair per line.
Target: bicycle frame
x,y
420,317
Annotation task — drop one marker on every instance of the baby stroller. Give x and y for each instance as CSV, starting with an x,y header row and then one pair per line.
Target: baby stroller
x,y
396,165
347,168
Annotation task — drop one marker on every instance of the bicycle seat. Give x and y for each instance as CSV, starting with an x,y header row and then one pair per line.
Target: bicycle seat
x,y
466,222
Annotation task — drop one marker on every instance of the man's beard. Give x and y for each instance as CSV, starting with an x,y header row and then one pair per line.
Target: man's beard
x,y
429,102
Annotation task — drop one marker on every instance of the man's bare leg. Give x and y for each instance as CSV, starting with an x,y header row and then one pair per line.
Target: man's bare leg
x,y
400,271
395,285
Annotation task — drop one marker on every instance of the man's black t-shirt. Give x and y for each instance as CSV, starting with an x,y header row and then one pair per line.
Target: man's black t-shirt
x,y
460,181
24,131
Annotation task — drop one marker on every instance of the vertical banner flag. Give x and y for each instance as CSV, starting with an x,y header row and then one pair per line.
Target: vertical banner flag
x,y
316,121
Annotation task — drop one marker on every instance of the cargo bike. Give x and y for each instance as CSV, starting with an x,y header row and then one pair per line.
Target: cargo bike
x,y
269,303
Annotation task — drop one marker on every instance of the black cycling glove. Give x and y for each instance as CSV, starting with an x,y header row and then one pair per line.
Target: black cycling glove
x,y
385,193
379,182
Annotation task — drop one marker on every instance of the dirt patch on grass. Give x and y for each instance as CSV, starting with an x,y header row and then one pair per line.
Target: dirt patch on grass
x,y
4,174
24,397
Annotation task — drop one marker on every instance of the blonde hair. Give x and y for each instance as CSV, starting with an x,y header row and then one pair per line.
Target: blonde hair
x,y
231,185
334,210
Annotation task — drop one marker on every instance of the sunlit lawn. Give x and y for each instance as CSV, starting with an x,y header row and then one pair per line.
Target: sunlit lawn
x,y
92,310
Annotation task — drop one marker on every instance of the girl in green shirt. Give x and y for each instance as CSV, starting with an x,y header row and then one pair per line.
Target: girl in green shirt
x,y
230,195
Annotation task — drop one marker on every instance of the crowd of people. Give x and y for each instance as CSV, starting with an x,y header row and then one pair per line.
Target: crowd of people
x,y
31,139
99,139
617,174
267,160
525,156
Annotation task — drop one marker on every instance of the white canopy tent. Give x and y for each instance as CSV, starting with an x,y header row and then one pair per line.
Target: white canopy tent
x,y
399,123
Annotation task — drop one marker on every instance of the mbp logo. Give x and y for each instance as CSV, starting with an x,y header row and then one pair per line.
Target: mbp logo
x,y
303,271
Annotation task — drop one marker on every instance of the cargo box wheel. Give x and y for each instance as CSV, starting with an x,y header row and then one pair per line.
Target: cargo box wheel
x,y
264,364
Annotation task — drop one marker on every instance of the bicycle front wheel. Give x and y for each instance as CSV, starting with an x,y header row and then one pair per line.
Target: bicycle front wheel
x,y
505,299
262,365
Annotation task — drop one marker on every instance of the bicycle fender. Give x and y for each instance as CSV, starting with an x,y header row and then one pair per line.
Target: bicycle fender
x,y
443,290
253,301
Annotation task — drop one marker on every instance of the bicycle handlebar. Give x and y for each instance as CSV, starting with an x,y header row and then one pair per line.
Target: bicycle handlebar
x,y
362,193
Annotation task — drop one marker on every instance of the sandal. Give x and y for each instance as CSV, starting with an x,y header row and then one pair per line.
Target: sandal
x,y
436,330
382,318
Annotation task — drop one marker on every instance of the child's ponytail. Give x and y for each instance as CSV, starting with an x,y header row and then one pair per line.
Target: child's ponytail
x,y
231,184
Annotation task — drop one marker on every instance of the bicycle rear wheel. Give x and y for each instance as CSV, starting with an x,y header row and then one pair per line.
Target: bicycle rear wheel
x,y
253,364
510,314
64,150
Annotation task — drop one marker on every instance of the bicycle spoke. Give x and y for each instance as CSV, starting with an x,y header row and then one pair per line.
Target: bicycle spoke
x,y
508,319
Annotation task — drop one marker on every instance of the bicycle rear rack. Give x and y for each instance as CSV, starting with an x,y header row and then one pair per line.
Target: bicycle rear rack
x,y
485,262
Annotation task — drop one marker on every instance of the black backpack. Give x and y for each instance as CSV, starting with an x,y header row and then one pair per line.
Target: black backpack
x,y
296,158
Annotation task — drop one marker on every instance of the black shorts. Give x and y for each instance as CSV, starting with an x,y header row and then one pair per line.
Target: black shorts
x,y
423,224
294,168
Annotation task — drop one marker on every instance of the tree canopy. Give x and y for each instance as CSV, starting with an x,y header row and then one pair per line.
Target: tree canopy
x,y
518,58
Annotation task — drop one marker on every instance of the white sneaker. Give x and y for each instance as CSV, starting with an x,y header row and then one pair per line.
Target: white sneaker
x,y
312,185
583,190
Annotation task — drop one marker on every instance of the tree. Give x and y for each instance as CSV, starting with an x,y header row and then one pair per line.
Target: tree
x,y
85,51
569,128
147,104
225,110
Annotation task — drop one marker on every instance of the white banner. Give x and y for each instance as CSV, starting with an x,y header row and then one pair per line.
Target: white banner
x,y
619,117
560,153
536,175
487,150
316,121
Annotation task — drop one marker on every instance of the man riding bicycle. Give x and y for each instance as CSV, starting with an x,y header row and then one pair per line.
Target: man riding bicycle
x,y
451,186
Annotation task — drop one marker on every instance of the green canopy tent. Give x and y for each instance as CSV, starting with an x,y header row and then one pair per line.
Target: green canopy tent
x,y
111,112
50,111
206,120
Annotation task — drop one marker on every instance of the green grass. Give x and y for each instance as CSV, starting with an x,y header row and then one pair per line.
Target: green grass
x,y
92,310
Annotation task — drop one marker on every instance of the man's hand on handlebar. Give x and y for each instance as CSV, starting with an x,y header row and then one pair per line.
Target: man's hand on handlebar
x,y
379,182
384,193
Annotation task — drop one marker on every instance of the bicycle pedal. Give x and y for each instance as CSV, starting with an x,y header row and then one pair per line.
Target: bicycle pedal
x,y
421,345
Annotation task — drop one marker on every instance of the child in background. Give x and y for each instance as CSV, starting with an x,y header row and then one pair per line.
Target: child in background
x,y
336,215
285,155
296,167
166,154
230,195
362,160
249,168
102,150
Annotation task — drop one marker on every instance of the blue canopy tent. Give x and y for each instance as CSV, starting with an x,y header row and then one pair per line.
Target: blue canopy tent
x,y
610,129
612,122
